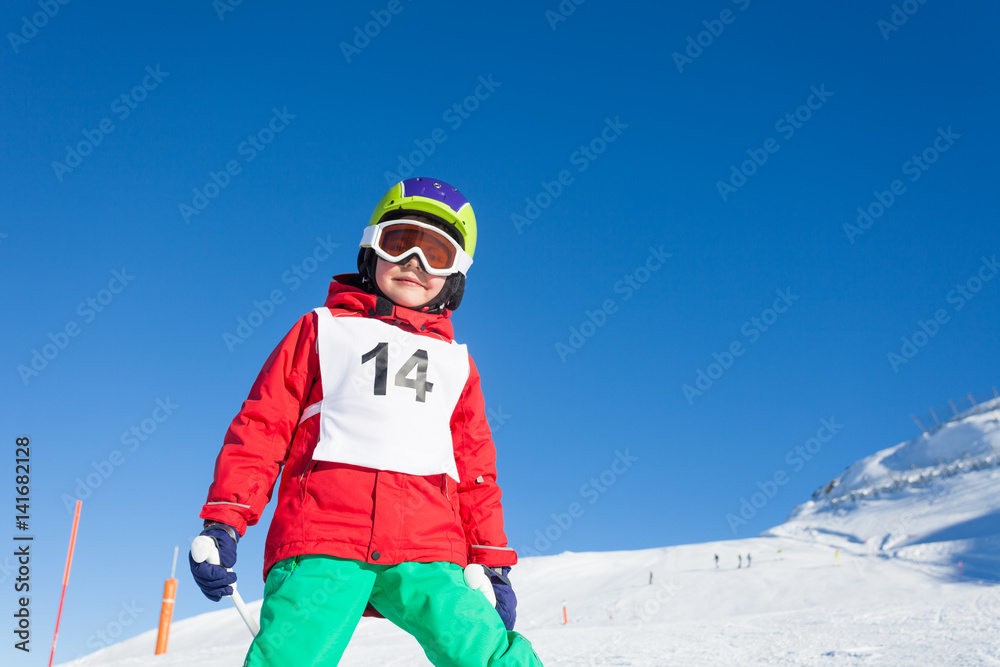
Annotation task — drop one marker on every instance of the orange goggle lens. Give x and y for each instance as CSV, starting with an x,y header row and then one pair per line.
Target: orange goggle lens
x,y
399,239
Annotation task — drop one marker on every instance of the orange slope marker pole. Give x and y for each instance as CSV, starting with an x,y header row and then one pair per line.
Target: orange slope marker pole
x,y
167,609
69,561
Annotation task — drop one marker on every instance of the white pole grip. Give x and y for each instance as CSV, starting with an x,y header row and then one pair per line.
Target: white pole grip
x,y
476,578
203,550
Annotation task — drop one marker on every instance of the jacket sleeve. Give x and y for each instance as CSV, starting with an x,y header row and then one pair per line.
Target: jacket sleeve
x,y
258,440
478,493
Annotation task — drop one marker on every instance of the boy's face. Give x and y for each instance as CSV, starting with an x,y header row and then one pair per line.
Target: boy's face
x,y
407,284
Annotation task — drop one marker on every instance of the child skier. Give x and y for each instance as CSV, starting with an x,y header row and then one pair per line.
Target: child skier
x,y
374,417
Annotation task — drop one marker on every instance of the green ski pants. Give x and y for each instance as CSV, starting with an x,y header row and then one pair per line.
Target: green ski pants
x,y
312,605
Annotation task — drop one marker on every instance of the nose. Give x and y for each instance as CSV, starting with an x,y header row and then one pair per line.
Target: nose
x,y
413,262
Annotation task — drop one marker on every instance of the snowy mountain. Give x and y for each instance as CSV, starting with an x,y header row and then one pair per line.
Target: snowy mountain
x,y
969,441
892,563
933,501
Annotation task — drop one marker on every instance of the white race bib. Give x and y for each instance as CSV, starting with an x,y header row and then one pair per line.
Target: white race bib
x,y
388,396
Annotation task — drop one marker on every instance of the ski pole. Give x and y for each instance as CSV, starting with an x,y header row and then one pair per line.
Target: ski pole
x,y
204,549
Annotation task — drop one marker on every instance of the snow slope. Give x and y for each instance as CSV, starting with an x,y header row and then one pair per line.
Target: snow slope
x,y
866,574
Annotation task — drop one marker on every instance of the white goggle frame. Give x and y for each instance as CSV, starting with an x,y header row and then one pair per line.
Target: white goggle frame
x,y
462,259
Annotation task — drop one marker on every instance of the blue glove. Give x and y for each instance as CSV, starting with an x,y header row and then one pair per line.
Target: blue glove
x,y
506,600
216,580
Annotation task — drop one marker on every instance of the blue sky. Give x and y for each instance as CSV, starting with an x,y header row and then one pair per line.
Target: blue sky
x,y
648,221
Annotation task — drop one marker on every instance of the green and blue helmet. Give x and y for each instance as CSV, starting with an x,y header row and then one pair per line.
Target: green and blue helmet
x,y
441,203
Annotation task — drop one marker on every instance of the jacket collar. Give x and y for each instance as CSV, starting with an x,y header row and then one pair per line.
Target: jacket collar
x,y
346,294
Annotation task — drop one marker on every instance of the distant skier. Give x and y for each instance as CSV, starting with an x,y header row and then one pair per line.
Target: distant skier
x,y
740,566
650,578
374,417
716,561
748,560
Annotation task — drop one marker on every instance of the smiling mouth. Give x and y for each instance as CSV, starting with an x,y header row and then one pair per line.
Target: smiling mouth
x,y
408,281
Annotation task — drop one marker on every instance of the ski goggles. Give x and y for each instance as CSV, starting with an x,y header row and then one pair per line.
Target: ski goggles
x,y
397,240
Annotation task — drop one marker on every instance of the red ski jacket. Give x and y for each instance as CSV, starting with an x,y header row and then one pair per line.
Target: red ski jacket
x,y
347,511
